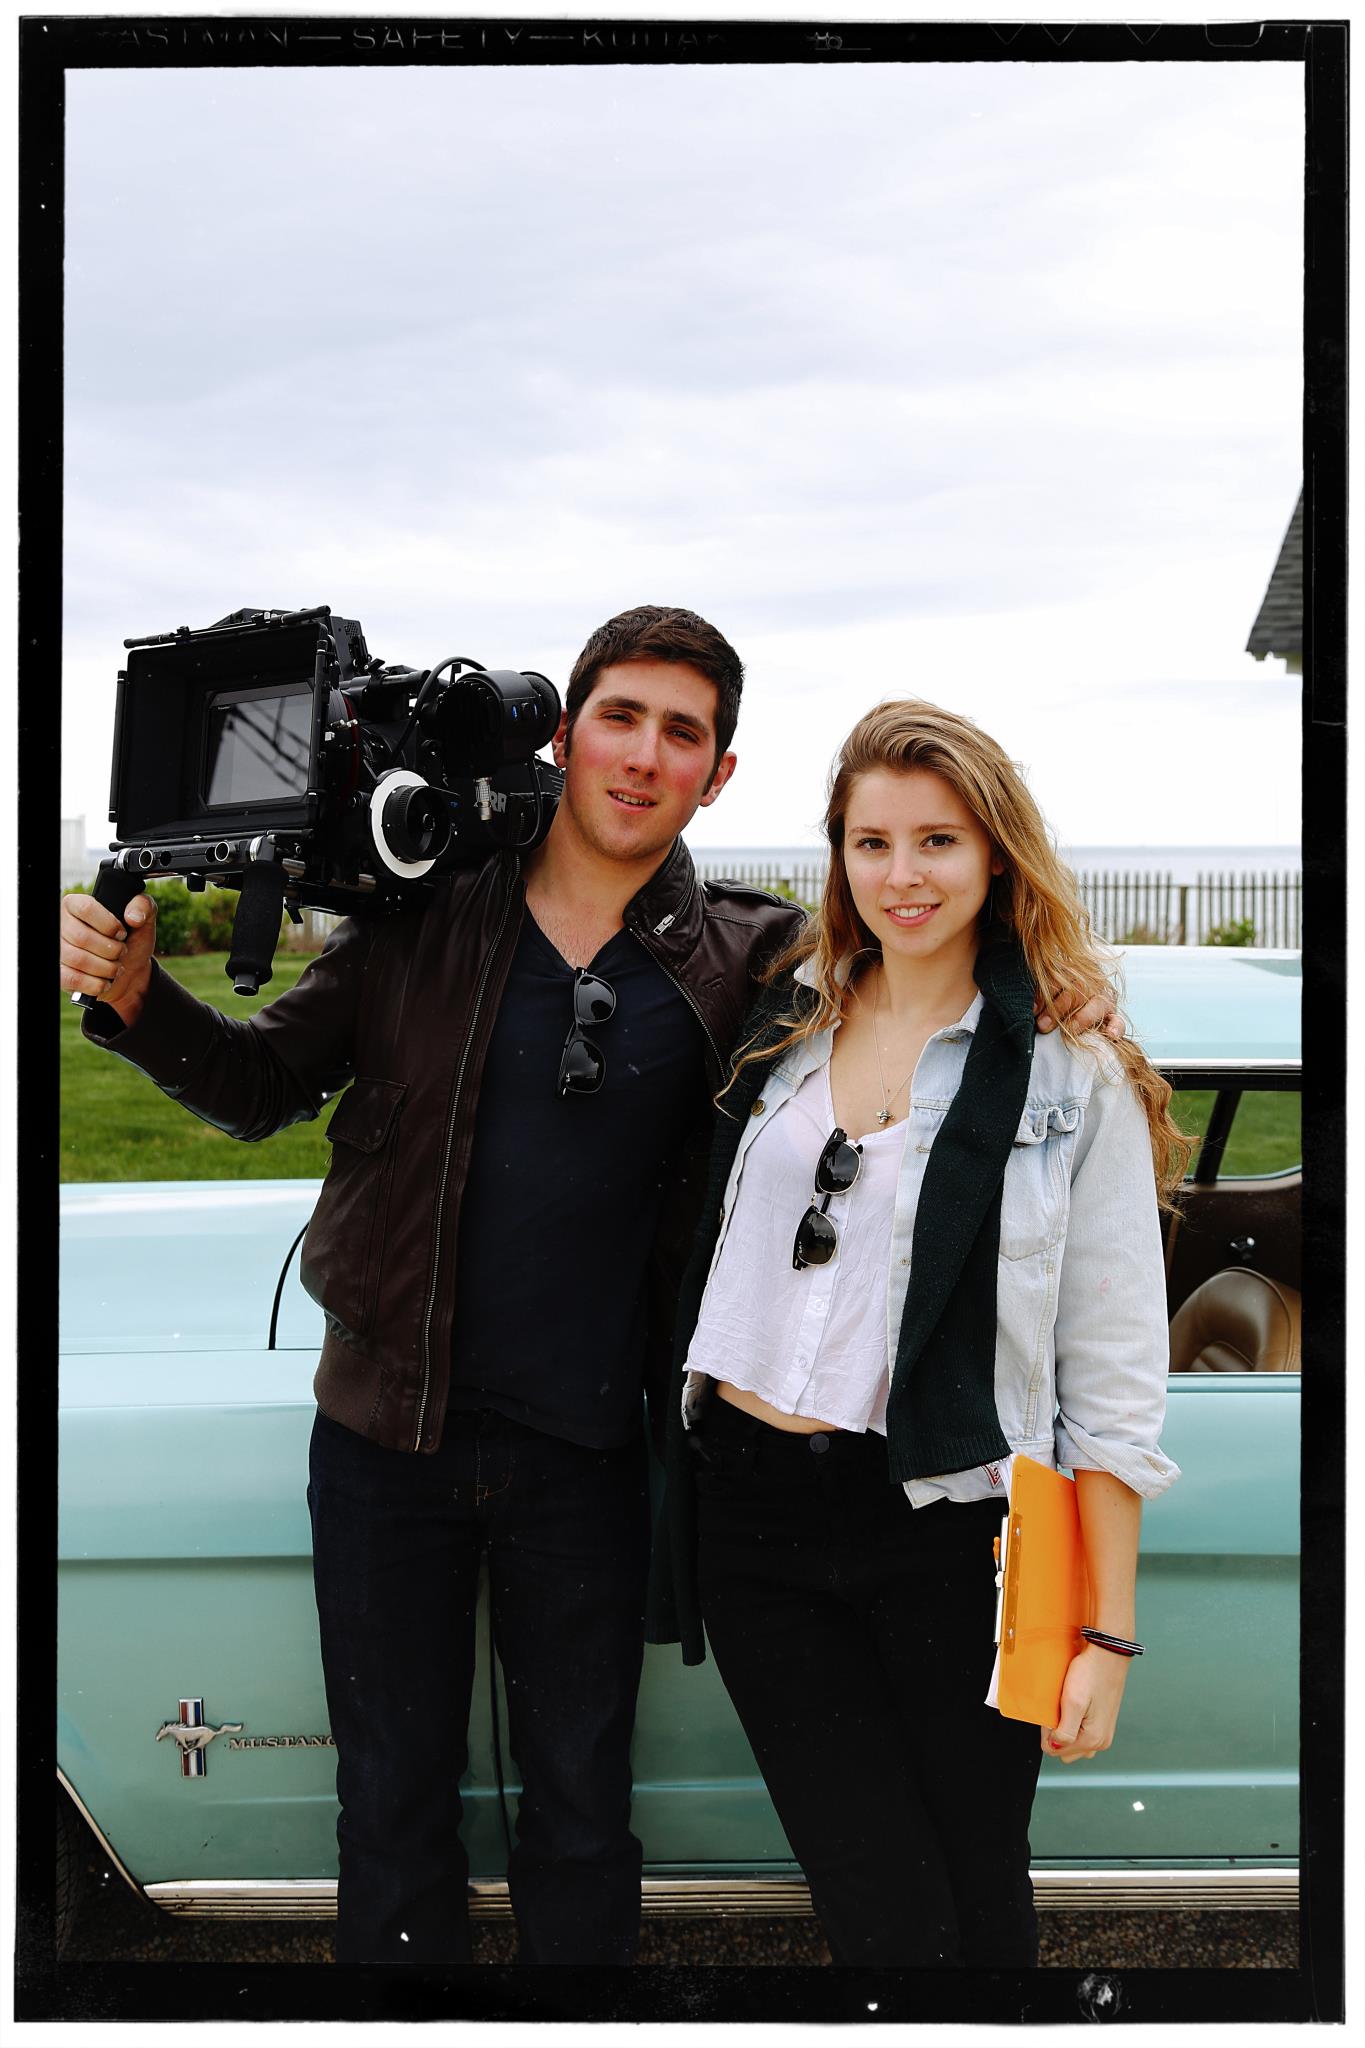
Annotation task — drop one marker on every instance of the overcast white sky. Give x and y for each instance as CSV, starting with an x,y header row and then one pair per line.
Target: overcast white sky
x,y
976,382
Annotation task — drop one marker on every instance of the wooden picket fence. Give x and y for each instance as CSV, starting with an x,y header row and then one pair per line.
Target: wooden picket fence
x,y
1154,910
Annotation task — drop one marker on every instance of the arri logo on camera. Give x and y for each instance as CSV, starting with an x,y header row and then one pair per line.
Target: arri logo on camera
x,y
270,753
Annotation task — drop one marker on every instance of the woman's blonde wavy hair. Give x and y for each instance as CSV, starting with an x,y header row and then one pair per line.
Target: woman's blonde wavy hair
x,y
1033,902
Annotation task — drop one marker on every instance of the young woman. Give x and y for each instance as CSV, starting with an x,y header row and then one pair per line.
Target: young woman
x,y
933,1242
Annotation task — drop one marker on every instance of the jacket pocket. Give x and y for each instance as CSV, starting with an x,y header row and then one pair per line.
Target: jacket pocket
x,y
1037,1180
343,1250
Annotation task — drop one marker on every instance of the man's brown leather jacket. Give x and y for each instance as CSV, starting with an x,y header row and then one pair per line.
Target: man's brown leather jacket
x,y
402,1007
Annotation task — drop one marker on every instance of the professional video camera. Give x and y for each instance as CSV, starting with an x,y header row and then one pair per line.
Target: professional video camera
x,y
270,753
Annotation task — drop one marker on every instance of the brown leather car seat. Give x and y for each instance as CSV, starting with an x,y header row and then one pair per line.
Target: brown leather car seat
x,y
1238,1321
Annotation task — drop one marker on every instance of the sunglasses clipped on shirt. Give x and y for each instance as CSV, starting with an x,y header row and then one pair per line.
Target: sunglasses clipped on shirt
x,y
582,1068
837,1168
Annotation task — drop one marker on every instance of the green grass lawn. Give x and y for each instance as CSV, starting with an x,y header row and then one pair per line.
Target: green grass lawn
x,y
117,1125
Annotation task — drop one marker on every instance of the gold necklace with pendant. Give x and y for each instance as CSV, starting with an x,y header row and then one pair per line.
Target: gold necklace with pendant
x,y
884,1113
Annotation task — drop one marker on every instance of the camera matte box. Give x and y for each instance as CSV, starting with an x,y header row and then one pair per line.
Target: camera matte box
x,y
219,734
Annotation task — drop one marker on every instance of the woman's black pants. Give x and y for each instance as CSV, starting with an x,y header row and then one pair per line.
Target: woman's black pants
x,y
854,1635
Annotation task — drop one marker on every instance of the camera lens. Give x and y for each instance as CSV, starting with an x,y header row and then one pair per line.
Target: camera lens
x,y
486,721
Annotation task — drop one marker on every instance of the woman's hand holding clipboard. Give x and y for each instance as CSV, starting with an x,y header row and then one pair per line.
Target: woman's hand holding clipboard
x,y
1045,1671
1044,1595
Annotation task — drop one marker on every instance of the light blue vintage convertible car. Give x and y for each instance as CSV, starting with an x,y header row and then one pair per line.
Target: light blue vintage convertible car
x,y
193,1736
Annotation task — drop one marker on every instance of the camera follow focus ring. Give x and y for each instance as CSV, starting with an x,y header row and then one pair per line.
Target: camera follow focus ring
x,y
409,823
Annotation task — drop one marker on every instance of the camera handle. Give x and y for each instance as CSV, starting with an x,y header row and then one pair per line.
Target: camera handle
x,y
256,927
115,887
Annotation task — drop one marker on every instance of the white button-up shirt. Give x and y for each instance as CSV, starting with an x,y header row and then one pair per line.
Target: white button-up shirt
x,y
1082,1346
812,1341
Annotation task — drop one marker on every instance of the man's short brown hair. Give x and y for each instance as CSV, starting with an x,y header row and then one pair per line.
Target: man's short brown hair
x,y
661,632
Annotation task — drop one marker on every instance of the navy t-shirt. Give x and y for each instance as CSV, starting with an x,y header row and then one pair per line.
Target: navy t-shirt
x,y
563,1194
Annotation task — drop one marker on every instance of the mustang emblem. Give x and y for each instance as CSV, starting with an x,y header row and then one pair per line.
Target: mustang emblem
x,y
192,1735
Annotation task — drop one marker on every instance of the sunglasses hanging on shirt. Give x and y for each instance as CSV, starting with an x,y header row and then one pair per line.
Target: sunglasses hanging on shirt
x,y
581,1065
838,1167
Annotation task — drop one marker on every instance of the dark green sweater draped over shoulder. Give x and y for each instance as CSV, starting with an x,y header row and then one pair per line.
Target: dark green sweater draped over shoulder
x,y
941,1413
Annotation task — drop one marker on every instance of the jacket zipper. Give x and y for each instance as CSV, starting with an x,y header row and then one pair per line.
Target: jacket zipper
x,y
445,1170
655,932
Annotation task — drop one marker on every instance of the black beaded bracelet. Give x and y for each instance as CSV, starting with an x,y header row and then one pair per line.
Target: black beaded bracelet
x,y
1120,1645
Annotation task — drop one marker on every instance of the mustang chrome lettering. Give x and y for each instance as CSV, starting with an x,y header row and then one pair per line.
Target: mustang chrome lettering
x,y
193,1735
281,1742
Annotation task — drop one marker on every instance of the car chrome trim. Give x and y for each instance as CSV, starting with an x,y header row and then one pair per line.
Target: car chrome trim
x,y
1069,1891
262,1898
1223,1063
96,1830
1189,1891
1202,1067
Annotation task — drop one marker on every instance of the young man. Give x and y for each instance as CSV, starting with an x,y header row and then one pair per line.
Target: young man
x,y
509,1166
497,1248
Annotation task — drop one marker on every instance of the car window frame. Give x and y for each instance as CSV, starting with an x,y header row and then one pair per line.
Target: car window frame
x,y
1229,1080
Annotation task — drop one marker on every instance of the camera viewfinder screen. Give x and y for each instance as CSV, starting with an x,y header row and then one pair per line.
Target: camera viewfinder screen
x,y
258,745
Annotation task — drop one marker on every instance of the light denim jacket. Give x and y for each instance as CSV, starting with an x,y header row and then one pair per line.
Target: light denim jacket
x,y
1083,1347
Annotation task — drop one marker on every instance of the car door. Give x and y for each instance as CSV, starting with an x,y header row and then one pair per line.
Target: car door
x,y
185,1595
1205,1765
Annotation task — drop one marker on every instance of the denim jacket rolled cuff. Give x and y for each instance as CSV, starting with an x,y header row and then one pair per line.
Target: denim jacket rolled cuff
x,y
1147,1472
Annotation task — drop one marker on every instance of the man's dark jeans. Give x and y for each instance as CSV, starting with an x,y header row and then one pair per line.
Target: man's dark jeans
x,y
397,1540
854,1635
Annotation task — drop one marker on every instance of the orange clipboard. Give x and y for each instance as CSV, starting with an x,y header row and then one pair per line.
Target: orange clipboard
x,y
1045,1593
